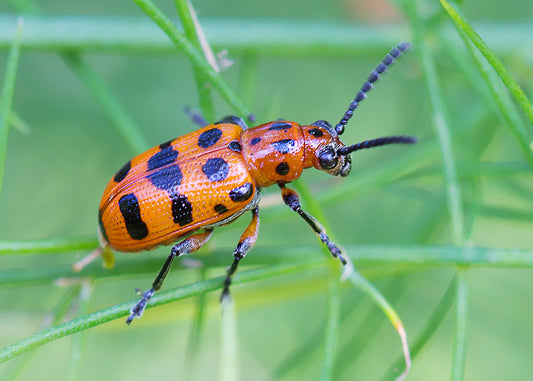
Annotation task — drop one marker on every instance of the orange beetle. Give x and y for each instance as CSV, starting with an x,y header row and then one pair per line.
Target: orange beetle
x,y
210,177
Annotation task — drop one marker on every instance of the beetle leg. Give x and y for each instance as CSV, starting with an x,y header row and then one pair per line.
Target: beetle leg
x,y
187,246
246,242
291,199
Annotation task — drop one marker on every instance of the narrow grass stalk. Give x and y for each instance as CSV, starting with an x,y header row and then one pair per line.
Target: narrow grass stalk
x,y
519,95
332,329
54,317
461,312
19,124
122,310
429,329
42,246
194,56
442,129
193,32
229,346
368,328
361,283
498,97
7,94
77,344
453,190
193,346
125,124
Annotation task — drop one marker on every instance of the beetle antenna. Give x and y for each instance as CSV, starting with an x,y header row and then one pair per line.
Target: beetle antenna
x,y
376,143
374,75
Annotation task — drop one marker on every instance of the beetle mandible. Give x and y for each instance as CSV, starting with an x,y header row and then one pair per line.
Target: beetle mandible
x,y
184,188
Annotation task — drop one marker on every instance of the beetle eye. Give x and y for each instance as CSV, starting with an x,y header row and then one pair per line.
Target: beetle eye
x,y
328,158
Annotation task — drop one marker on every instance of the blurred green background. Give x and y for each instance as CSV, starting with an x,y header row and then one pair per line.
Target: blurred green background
x,y
55,176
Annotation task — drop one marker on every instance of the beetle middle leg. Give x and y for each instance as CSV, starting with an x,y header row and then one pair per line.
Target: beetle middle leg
x,y
291,199
187,246
246,242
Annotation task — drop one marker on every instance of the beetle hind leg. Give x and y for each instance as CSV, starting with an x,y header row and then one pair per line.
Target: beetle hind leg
x,y
187,246
246,242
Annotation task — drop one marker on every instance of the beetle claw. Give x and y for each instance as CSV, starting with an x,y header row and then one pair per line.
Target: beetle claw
x,y
138,309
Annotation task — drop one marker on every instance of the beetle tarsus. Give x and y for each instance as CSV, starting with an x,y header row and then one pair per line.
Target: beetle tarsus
x,y
138,309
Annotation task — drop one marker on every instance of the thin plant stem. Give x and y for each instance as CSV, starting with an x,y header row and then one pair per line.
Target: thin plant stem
x,y
461,312
7,94
519,95
77,344
193,346
193,32
332,330
121,119
429,329
194,56
229,343
123,309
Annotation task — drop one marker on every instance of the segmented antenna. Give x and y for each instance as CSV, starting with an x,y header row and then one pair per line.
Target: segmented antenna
x,y
376,143
389,59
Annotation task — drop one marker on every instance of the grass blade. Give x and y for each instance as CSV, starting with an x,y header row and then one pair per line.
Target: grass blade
x,y
332,329
194,56
194,33
461,311
519,95
229,348
120,118
122,310
6,99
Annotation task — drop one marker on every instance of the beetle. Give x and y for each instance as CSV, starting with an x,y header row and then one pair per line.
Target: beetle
x,y
179,191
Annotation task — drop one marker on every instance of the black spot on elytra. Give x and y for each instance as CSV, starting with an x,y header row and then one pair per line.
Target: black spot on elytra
x,y
216,169
220,209
101,224
130,210
284,146
122,172
242,193
315,132
254,141
181,209
166,178
209,137
235,146
282,169
279,126
165,145
164,157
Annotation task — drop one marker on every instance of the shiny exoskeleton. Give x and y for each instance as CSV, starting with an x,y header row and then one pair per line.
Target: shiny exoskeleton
x,y
181,190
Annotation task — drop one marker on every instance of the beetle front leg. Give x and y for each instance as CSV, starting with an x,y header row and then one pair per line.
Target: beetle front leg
x,y
246,242
291,199
187,246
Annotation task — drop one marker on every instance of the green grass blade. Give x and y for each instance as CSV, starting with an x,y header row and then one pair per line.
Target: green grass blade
x,y
332,329
54,245
361,283
442,129
429,329
194,56
78,340
118,115
193,31
122,310
519,95
7,94
193,346
459,339
54,317
229,348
